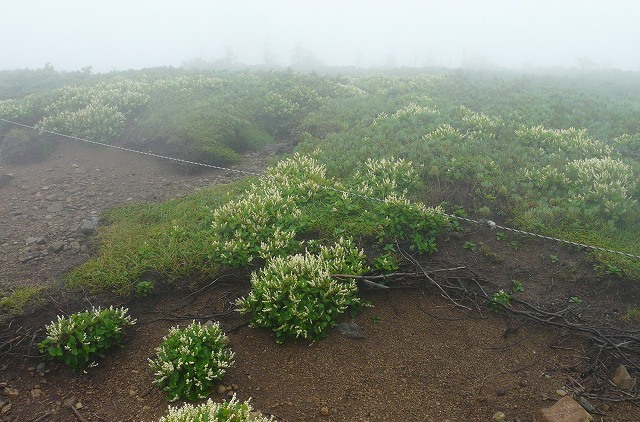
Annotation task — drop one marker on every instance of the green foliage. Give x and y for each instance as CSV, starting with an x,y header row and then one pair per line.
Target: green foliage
x,y
227,411
297,297
517,286
15,302
610,269
554,258
470,246
144,288
190,360
632,315
386,263
501,235
82,337
233,227
499,300
575,299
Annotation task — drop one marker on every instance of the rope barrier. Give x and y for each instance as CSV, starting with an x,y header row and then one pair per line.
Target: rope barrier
x,y
483,222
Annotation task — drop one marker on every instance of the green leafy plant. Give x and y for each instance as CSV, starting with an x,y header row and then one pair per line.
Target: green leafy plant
x,y
296,296
575,299
385,263
631,315
517,286
227,411
190,360
499,300
79,339
501,235
554,258
470,246
613,269
144,288
376,319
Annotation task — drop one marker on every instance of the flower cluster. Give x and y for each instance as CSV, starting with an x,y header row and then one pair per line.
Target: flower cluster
x,y
190,360
267,218
385,176
574,143
413,109
227,411
80,338
96,122
296,296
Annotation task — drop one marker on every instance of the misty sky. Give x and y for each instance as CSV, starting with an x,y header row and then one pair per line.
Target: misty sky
x,y
123,34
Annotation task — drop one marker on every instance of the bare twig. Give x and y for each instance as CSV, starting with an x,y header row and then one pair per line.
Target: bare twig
x,y
78,415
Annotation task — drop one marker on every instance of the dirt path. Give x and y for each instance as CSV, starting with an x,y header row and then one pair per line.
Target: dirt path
x,y
423,359
43,205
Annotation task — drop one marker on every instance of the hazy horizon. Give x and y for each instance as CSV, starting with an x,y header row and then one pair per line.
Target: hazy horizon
x,y
119,35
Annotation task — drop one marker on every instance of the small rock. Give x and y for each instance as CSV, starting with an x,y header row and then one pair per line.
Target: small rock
x,y
622,379
350,329
31,240
10,392
501,392
498,416
36,392
78,405
89,225
324,411
56,246
561,392
3,402
222,389
40,367
132,392
564,410
70,401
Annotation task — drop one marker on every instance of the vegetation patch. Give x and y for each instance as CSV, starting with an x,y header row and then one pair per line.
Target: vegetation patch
x,y
190,360
228,411
297,297
79,339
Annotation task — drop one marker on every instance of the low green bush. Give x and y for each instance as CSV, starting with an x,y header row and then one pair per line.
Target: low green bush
x,y
80,338
227,411
296,296
190,360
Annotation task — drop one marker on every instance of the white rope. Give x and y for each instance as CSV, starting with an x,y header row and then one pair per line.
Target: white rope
x,y
150,154
487,223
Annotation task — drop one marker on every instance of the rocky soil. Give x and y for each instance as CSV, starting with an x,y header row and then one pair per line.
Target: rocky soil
x,y
417,356
49,210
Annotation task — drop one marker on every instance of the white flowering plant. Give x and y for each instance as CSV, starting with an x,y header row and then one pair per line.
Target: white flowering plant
x,y
226,411
296,296
190,360
80,338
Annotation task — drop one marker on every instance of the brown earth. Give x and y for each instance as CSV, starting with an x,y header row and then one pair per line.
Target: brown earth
x,y
423,358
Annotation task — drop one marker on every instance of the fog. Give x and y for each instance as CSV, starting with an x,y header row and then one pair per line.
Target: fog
x,y
131,34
